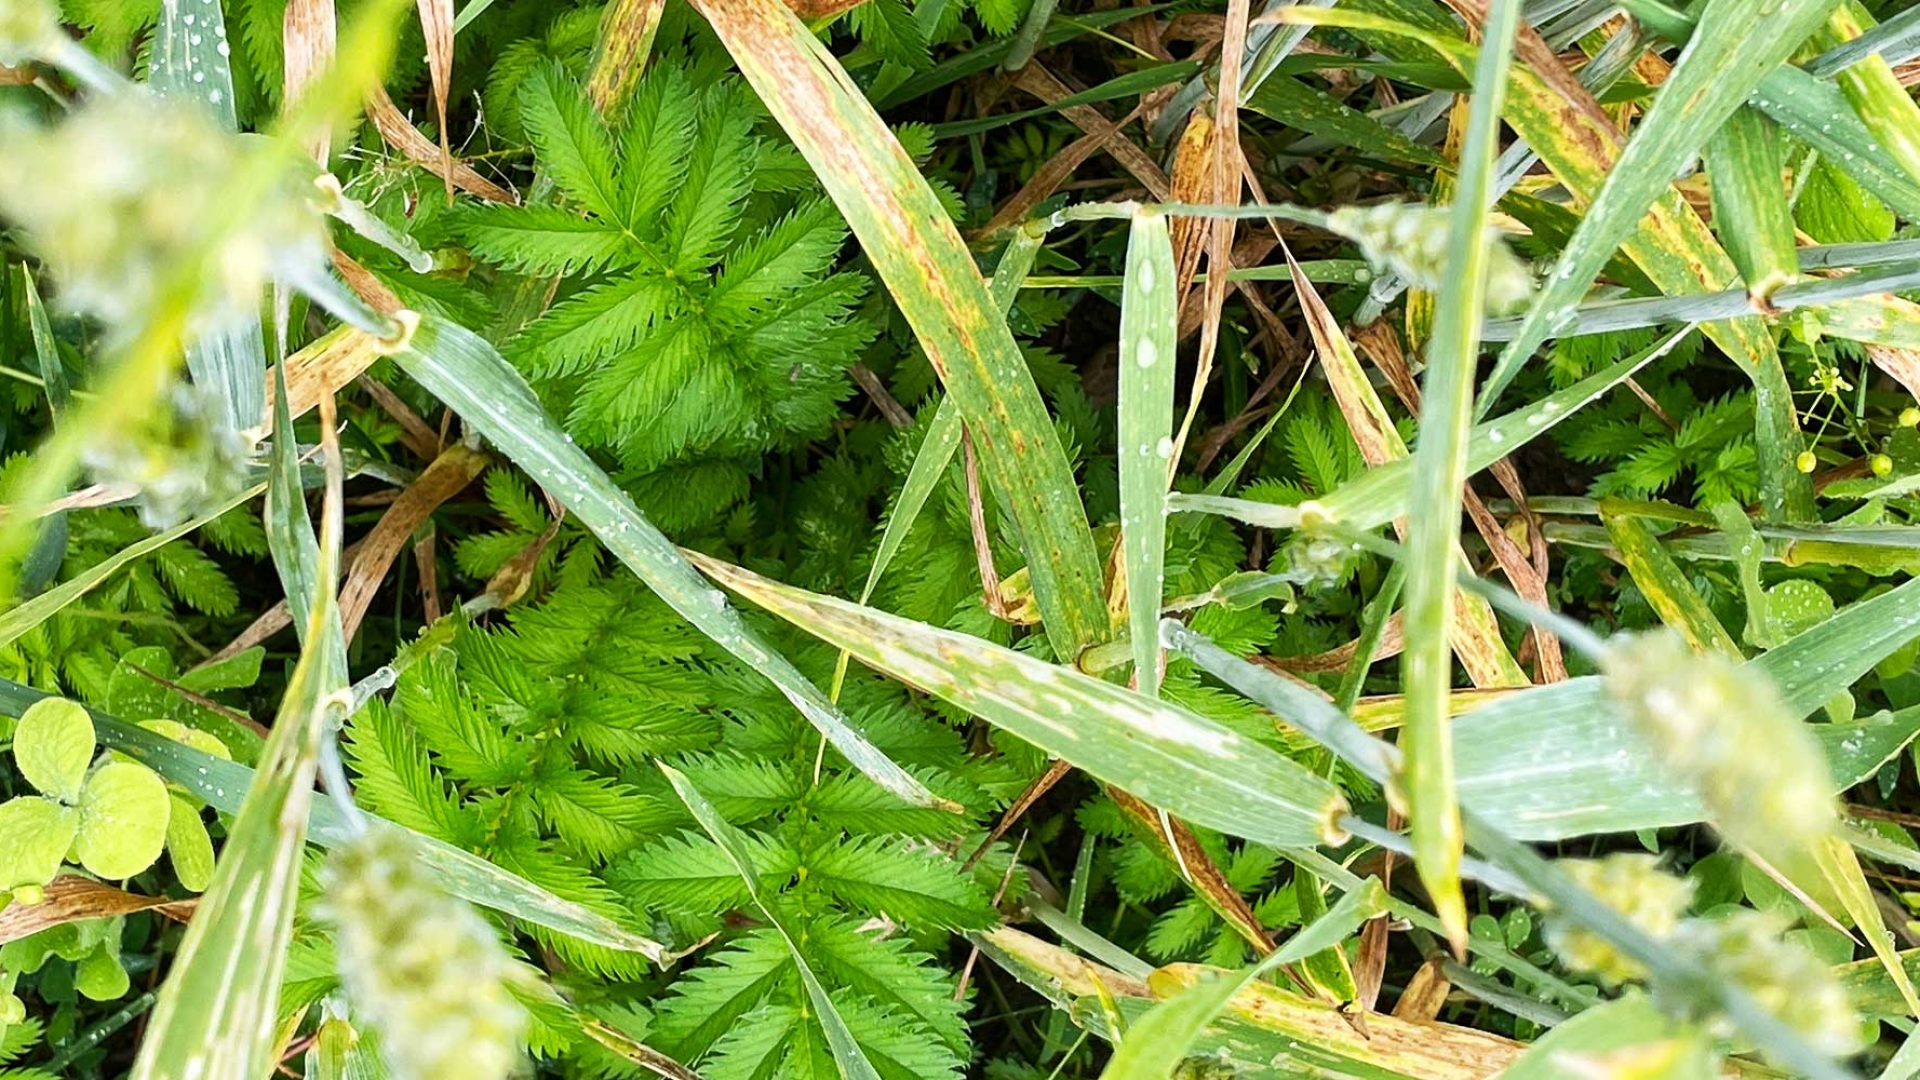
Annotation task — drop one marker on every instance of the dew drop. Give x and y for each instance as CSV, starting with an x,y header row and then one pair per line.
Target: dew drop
x,y
1147,354
1164,448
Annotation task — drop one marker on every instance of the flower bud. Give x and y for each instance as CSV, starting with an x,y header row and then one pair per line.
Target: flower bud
x,y
1411,240
1806,462
1725,732
421,966
1881,464
1633,885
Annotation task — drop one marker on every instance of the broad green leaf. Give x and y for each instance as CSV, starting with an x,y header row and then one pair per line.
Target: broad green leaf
x,y
474,380
53,745
920,256
1149,343
99,975
123,820
221,784
1189,766
35,834
847,1055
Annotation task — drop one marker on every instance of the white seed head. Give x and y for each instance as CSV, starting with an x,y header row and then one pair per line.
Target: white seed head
x,y
1633,885
1410,239
184,458
420,966
143,183
26,27
1726,733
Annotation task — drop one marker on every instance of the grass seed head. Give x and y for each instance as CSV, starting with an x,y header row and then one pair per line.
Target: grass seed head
x,y
26,26
184,460
421,966
1725,731
1411,240
1634,885
1749,949
141,183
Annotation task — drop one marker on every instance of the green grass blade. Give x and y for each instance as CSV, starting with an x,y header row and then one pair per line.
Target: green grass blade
x,y
215,1019
925,265
1666,587
46,350
1189,766
1815,112
1738,42
1744,160
475,381
1882,104
191,63
1155,1044
222,784
1149,340
22,619
1382,494
1440,469
847,1055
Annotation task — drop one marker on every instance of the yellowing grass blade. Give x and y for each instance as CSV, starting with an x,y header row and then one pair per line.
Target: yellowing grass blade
x,y
1666,587
925,265
1186,764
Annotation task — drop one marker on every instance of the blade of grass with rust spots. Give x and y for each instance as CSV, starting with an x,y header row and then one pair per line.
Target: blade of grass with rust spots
x,y
1666,238
1475,635
920,257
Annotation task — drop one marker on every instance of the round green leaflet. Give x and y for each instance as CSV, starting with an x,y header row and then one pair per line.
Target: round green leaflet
x,y
35,834
123,820
53,745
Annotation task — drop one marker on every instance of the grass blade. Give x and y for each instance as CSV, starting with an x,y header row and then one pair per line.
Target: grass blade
x,y
1190,766
847,1055
475,381
1149,340
1440,468
922,260
1737,43
190,62
22,619
1750,212
1666,587
215,1018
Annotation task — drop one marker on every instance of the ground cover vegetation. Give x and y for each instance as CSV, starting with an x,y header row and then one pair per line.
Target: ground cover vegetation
x,y
921,539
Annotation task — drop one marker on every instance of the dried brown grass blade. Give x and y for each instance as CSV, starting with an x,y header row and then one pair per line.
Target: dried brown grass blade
x,y
72,898
402,136
1035,79
1050,176
1425,994
307,38
436,26
456,467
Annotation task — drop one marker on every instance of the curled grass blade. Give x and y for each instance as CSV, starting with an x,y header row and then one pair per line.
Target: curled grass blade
x,y
919,255
475,381
1189,766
